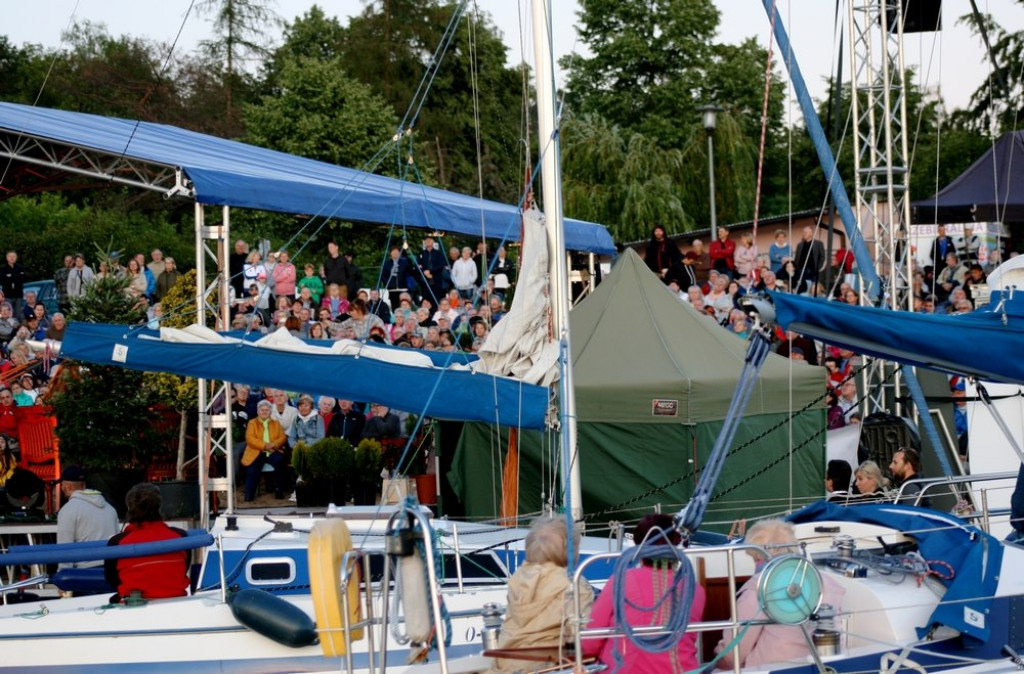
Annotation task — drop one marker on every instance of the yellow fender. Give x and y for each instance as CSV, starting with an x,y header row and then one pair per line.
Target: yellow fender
x,y
328,542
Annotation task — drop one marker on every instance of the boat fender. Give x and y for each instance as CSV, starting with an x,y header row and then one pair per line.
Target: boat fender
x,y
273,617
329,540
415,598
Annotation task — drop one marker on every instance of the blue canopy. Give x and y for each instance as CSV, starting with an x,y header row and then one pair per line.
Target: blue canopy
x,y
226,172
975,556
990,190
457,394
985,343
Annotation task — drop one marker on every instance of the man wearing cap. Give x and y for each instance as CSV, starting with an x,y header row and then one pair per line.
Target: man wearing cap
x,y
346,423
383,423
86,516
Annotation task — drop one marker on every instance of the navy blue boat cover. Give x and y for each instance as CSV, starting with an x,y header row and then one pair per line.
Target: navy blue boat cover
x,y
985,343
226,172
441,393
976,557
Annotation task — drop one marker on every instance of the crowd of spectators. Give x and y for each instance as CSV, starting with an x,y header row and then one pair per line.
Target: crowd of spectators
x,y
268,423
423,301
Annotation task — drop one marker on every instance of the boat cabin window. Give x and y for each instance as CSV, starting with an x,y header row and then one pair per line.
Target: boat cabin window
x,y
270,571
477,567
480,567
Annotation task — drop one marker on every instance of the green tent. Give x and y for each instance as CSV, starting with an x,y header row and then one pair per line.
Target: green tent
x,y
654,379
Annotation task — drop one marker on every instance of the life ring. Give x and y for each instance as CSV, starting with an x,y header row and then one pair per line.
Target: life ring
x,y
328,542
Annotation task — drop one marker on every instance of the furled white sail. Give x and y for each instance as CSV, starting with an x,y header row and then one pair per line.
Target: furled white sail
x,y
520,345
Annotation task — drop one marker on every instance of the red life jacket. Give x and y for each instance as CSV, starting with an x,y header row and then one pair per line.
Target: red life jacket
x,y
157,576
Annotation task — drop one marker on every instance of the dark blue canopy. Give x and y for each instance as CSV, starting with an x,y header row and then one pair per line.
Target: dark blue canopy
x,y
441,393
991,190
985,343
226,172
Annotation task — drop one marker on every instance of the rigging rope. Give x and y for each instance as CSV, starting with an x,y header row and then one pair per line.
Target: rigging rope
x,y
764,120
757,351
671,607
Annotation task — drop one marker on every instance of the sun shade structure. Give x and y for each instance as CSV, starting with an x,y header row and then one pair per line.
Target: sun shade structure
x,y
399,378
220,172
991,190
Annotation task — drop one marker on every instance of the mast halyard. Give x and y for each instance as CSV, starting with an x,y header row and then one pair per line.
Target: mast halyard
x,y
551,184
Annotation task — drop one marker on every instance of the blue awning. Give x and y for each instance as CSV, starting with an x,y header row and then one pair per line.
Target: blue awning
x,y
985,343
229,173
442,393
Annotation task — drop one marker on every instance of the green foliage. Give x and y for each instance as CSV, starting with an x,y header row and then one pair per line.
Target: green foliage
x,y
386,47
44,228
997,102
938,153
240,27
179,304
322,114
104,412
649,63
653,65
328,458
369,460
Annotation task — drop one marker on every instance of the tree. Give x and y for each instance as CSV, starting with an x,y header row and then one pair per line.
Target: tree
x,y
648,65
104,75
939,152
653,65
631,183
996,106
390,47
241,29
322,114
103,411
21,72
177,392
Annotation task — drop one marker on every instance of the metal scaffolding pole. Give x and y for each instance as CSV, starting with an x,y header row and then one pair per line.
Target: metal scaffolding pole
x,y
881,175
214,429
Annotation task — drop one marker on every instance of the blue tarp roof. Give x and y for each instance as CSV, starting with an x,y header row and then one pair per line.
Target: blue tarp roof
x,y
226,172
985,343
435,392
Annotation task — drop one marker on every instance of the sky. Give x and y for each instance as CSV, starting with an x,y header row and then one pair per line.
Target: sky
x,y
951,61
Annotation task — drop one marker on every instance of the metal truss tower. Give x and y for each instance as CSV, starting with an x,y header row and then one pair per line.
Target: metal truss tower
x,y
881,164
214,428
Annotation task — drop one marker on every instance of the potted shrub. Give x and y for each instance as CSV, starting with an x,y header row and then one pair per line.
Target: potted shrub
x,y
366,473
322,470
104,411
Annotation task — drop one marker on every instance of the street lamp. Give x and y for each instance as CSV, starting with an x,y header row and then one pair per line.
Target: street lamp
x,y
709,115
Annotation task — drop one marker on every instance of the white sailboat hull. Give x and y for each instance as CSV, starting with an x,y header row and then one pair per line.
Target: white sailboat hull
x,y
194,634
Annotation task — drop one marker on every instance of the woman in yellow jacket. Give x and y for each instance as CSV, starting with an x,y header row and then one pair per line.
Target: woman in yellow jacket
x,y
265,442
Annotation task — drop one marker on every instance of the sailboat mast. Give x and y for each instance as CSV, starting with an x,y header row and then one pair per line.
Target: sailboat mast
x,y
551,185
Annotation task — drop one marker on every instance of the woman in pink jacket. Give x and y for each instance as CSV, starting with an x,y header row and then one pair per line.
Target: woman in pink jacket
x,y
645,586
284,276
